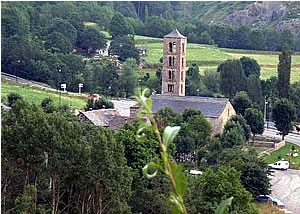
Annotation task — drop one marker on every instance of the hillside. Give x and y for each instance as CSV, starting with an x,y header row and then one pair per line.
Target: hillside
x,y
209,57
258,15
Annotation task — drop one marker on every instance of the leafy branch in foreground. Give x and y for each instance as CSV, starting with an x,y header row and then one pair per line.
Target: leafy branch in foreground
x,y
169,167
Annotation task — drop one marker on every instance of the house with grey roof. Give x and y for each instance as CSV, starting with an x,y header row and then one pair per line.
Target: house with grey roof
x,y
216,110
110,118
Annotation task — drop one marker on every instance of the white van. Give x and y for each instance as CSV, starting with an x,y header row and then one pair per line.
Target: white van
x,y
284,165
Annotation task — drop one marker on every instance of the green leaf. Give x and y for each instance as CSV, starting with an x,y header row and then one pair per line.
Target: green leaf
x,y
154,165
177,207
169,134
222,208
149,103
140,133
179,177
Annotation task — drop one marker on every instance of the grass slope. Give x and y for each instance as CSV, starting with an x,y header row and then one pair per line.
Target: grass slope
x,y
282,152
34,95
209,56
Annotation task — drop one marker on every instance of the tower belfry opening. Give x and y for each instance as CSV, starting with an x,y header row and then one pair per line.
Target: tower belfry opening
x,y
174,64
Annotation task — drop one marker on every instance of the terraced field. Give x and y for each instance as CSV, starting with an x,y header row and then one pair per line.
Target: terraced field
x,y
209,56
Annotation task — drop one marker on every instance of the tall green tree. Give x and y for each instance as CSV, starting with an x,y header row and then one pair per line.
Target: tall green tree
x,y
232,77
284,72
119,27
128,77
255,91
92,38
283,114
124,48
255,120
241,102
250,66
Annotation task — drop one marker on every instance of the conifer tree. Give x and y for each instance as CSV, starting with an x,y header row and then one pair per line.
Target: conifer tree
x,y
284,72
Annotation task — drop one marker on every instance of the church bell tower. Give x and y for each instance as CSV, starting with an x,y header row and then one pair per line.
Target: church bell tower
x,y
174,63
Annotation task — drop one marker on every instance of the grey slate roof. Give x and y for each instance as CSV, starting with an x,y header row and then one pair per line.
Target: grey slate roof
x,y
175,34
210,107
106,117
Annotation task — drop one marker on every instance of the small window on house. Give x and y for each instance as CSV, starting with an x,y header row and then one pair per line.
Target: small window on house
x,y
182,47
170,88
170,47
170,61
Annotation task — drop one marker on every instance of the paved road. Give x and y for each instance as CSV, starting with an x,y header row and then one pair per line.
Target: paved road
x,y
293,138
286,187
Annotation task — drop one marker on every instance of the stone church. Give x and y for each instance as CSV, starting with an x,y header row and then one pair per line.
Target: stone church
x,y
216,110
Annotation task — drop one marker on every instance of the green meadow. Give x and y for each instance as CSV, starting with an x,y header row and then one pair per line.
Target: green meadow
x,y
34,95
209,56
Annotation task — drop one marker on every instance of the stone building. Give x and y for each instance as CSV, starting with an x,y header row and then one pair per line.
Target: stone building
x,y
216,110
174,62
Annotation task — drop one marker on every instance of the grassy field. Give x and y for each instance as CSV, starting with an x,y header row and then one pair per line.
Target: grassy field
x,y
283,154
36,96
209,56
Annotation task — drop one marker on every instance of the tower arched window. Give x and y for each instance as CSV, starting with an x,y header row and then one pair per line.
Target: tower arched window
x,y
173,60
174,47
170,61
170,47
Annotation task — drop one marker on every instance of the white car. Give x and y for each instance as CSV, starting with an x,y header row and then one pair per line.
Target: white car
x,y
283,165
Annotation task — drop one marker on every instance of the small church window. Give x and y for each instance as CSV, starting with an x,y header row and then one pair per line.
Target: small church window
x,y
173,60
170,61
170,88
174,47
181,88
182,62
181,75
182,47
170,47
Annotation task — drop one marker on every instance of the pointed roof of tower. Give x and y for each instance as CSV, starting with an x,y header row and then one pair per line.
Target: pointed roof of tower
x,y
175,34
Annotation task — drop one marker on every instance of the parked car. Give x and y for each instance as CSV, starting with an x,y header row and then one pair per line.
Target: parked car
x,y
270,199
283,165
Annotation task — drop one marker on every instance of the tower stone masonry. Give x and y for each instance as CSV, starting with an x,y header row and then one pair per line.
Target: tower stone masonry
x,y
174,64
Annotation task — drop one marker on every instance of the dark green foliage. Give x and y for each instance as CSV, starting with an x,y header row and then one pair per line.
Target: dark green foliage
x,y
213,186
128,80
232,135
295,98
250,66
101,103
156,26
246,128
283,115
12,98
205,38
124,48
254,171
255,91
60,155
91,38
119,27
168,116
284,72
232,77
241,102
57,42
255,120
48,106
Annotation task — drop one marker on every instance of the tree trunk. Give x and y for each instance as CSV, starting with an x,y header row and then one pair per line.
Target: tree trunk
x,y
53,196
253,139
